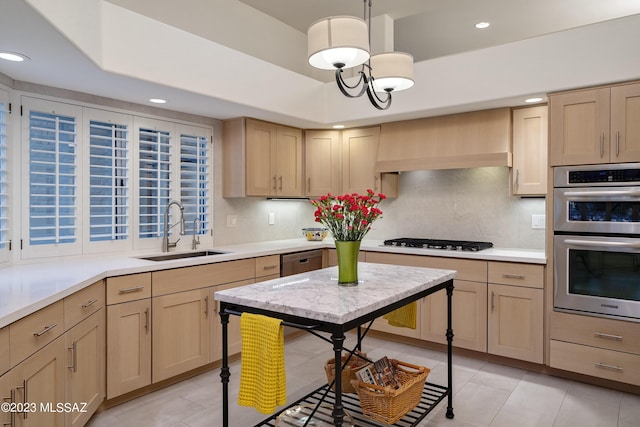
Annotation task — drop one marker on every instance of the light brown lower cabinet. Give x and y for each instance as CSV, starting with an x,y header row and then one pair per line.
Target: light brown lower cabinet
x,y
39,380
469,311
594,361
234,339
128,346
181,331
6,395
515,322
85,370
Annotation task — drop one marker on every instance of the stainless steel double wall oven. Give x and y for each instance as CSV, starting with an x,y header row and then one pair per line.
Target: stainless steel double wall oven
x,y
597,240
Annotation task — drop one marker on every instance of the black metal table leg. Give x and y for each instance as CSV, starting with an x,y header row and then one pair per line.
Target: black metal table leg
x,y
224,371
449,348
337,337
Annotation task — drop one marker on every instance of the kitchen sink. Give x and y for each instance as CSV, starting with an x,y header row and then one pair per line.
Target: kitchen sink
x,y
182,255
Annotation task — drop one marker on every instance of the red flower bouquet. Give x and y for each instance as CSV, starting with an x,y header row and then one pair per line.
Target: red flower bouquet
x,y
348,217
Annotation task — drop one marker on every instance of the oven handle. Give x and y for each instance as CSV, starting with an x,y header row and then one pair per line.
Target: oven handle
x,y
604,193
634,244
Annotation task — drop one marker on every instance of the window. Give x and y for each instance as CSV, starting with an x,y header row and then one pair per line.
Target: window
x,y
4,182
194,181
52,178
108,181
154,180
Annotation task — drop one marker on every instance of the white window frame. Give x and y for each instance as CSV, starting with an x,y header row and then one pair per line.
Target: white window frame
x,y
59,108
106,246
5,180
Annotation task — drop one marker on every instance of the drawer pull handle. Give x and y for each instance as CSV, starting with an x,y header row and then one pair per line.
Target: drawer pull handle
x,y
513,276
89,303
45,330
609,367
206,307
146,320
130,290
270,267
608,336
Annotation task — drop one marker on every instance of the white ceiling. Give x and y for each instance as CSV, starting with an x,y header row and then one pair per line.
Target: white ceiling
x,y
241,59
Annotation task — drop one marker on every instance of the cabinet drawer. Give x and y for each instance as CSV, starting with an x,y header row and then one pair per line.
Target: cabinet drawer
x,y
201,276
4,350
128,288
597,362
268,265
472,270
596,332
509,273
33,332
83,303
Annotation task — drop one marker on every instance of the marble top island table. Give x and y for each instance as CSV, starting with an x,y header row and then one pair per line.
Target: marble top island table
x,y
314,301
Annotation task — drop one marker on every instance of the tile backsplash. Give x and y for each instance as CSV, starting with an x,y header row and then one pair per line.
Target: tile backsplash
x,y
470,204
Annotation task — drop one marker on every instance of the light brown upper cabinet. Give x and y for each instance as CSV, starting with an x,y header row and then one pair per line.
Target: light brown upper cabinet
x,y
529,172
261,159
322,161
599,125
359,155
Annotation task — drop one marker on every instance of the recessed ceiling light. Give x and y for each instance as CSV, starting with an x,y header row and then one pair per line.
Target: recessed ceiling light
x,y
13,56
338,126
481,25
158,101
532,100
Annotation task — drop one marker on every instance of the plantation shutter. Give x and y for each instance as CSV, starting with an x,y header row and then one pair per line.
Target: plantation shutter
x,y
154,180
194,181
52,178
4,183
109,181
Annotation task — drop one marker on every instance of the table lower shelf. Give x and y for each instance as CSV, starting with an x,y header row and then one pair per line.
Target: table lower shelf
x,y
432,394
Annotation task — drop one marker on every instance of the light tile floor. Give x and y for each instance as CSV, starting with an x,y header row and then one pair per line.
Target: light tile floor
x,y
485,394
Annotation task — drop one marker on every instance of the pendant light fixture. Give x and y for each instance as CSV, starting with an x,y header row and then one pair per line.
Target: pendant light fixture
x,y
341,42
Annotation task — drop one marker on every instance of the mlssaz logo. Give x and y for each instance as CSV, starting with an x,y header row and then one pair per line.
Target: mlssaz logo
x,y
609,306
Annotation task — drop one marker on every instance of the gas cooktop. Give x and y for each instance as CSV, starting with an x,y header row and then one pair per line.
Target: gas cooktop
x,y
450,245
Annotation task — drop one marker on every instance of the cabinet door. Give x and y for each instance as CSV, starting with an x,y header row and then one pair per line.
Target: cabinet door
x,y
40,380
4,350
529,172
260,160
6,395
515,322
625,123
359,154
322,162
579,127
180,333
288,161
234,339
85,378
468,316
128,347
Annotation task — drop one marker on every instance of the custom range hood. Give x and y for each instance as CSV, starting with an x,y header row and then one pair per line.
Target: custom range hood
x,y
466,140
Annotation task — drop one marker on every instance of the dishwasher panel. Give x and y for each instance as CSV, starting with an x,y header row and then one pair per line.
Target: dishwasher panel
x,y
300,262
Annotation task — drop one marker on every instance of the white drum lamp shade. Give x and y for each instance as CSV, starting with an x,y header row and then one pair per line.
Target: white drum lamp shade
x,y
338,42
392,71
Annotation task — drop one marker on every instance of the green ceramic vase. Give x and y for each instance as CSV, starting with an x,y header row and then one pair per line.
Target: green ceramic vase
x,y
348,262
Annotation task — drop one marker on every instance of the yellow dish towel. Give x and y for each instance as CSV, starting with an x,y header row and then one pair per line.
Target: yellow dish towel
x,y
404,317
263,383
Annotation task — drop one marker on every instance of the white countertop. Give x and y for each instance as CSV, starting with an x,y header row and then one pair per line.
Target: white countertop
x,y
316,295
27,288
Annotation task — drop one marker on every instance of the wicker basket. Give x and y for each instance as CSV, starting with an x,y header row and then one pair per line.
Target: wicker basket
x,y
348,373
388,405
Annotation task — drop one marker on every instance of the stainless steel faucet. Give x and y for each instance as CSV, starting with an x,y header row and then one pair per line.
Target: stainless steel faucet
x,y
165,240
196,239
